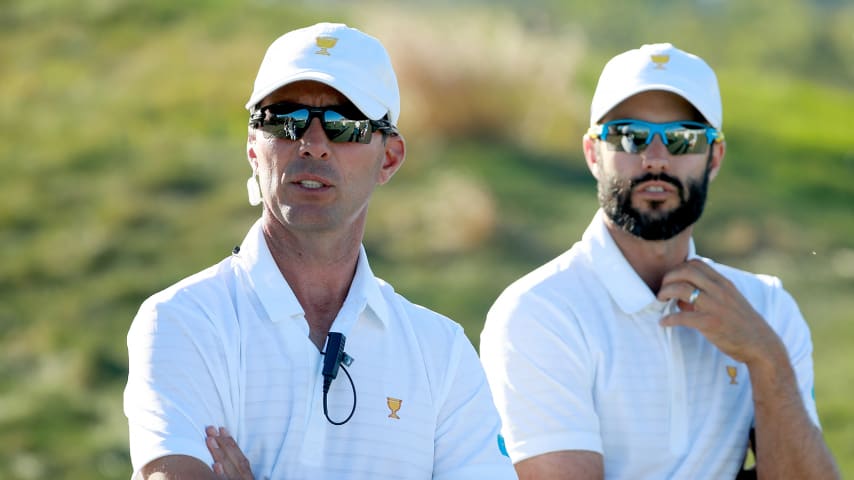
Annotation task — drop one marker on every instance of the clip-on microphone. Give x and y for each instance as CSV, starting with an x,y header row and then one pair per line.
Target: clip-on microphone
x,y
334,356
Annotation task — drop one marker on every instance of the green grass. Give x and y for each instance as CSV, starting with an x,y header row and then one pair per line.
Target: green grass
x,y
122,137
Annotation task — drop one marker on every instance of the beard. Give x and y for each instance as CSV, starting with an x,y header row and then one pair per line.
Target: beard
x,y
615,198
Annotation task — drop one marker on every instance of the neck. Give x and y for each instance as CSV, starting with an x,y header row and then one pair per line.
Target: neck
x,y
319,268
651,259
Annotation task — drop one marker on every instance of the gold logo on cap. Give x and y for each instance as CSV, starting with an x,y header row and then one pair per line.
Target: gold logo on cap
x,y
325,43
659,60
732,372
394,406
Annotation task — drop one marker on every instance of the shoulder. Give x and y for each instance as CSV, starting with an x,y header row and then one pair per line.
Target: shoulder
x,y
754,286
765,293
555,289
430,345
208,282
201,295
435,342
570,266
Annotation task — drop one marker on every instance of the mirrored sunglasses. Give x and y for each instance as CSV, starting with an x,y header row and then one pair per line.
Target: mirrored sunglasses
x,y
633,136
341,123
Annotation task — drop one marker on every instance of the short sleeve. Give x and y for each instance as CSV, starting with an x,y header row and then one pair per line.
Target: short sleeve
x,y
795,334
541,374
467,427
176,386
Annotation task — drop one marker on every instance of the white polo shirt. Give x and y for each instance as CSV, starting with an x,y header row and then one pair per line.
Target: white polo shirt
x,y
229,347
577,360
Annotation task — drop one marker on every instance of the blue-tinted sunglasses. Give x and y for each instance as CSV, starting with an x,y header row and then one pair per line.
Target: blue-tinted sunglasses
x,y
342,123
633,136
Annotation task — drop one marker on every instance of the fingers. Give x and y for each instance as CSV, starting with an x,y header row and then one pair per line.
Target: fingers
x,y
683,293
695,284
698,274
217,453
699,289
703,322
229,461
213,446
235,456
711,304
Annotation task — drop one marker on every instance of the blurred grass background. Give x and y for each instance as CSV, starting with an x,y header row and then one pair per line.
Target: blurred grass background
x,y
122,144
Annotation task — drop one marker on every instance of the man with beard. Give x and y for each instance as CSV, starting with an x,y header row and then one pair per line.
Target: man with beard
x,y
630,356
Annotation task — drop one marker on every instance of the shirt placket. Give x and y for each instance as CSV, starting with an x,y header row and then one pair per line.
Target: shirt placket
x,y
314,440
316,423
677,385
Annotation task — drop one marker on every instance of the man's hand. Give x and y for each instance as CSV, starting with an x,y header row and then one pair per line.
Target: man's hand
x,y
719,311
788,444
229,461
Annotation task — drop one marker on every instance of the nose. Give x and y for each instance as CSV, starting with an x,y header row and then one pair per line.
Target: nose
x,y
655,157
314,142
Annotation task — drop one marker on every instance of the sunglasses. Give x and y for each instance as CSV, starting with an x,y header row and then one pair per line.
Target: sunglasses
x,y
342,123
633,136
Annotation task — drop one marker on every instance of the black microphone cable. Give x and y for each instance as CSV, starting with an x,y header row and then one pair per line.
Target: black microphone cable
x,y
334,357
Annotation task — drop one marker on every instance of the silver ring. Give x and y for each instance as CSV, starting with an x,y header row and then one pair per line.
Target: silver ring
x,y
693,298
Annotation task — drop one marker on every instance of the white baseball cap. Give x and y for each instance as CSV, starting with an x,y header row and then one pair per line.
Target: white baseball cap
x,y
660,66
346,59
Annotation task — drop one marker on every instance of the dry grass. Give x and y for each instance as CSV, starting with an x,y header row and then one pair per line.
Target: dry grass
x,y
482,74
445,214
468,75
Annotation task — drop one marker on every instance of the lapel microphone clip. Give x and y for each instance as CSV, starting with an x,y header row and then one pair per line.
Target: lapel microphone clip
x,y
333,358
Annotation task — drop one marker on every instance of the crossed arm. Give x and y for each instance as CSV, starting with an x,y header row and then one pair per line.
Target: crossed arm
x,y
229,462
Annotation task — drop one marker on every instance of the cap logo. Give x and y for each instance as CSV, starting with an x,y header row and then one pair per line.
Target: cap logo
x,y
659,60
325,43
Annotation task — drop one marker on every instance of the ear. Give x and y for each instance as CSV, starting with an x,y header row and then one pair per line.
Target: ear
x,y
393,157
591,155
251,156
718,151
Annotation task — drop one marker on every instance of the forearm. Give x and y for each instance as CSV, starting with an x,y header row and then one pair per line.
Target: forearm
x,y
566,464
788,444
177,467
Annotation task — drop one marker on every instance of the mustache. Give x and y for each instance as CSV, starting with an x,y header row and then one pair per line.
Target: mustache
x,y
658,177
311,167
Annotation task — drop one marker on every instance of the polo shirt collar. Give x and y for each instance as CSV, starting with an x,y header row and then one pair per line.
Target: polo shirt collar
x,y
278,298
625,286
364,296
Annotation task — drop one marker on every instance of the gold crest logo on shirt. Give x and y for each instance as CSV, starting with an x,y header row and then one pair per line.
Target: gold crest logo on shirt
x,y
325,43
659,60
732,372
394,406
